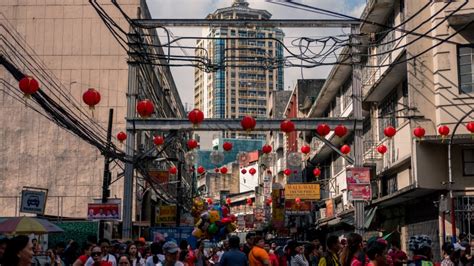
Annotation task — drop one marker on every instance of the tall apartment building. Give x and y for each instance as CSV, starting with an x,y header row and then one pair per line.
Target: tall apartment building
x,y
245,65
405,87
79,52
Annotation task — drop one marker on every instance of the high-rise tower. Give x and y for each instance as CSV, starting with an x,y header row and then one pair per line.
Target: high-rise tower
x,y
243,65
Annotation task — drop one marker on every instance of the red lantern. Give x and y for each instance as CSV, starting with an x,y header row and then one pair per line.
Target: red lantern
x,y
419,132
269,201
121,136
228,201
28,85
201,170
249,202
243,171
305,149
192,144
287,126
266,149
209,201
173,170
382,149
91,97
227,146
248,123
340,131
345,149
287,172
145,108
389,131
158,140
317,172
323,129
224,170
443,131
298,201
470,127
216,170
252,171
196,116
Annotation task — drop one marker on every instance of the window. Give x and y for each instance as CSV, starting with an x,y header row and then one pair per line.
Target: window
x,y
468,162
387,113
389,185
465,66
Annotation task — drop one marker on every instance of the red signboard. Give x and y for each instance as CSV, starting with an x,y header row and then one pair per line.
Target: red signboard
x,y
160,177
358,175
103,211
359,192
293,208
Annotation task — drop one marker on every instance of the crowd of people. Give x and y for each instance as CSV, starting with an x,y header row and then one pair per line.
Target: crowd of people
x,y
255,251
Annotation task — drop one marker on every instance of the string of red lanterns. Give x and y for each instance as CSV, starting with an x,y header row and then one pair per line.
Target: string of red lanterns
x,y
252,171
266,149
227,146
340,131
323,130
195,116
382,149
345,149
158,140
389,131
192,144
305,149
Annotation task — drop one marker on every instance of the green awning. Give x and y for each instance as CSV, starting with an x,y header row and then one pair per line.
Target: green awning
x,y
369,216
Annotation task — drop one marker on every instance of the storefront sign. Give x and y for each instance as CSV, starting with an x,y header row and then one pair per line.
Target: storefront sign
x,y
33,200
159,176
293,208
166,214
302,191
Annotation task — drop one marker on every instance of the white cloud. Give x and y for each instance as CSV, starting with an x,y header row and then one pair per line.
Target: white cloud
x,y
184,76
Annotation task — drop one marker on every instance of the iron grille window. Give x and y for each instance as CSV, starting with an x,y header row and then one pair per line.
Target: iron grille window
x,y
468,162
346,94
338,164
465,68
389,185
387,113
465,215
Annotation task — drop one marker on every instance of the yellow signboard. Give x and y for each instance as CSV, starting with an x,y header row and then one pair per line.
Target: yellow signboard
x,y
166,214
303,191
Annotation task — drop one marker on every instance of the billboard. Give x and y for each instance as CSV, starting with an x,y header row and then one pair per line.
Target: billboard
x,y
359,192
176,234
165,214
304,191
33,200
103,211
358,175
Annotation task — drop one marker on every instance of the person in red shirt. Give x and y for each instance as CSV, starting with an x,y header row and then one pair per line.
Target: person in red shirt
x,y
398,256
96,255
271,254
86,253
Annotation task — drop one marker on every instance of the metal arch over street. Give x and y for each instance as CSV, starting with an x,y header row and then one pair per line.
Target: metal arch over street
x,y
210,124
281,23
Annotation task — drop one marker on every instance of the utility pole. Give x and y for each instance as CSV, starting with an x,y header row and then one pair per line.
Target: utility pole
x,y
107,175
358,131
178,195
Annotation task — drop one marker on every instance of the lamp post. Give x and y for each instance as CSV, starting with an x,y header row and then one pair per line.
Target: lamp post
x,y
450,177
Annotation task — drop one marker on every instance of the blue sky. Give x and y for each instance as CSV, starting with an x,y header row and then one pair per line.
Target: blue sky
x,y
200,8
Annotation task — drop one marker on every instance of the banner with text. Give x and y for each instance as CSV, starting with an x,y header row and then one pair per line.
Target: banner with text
x,y
303,191
166,214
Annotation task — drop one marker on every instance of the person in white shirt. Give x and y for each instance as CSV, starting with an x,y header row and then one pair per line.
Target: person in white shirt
x,y
106,256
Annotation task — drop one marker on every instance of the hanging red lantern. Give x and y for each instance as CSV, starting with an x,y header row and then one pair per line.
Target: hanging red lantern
x,y
192,144
287,172
227,146
121,136
224,170
419,132
443,131
145,108
91,97
243,171
196,116
201,170
249,202
209,201
298,201
173,170
389,131
266,149
228,201
340,131
345,149
248,123
287,126
323,130
268,202
216,170
28,85
382,149
158,140
252,171
305,149
470,127
317,172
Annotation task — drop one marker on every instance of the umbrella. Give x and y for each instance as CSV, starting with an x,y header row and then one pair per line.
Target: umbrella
x,y
28,225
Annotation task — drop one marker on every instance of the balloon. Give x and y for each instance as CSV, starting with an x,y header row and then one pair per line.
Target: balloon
x,y
231,227
197,232
205,216
214,216
233,217
212,229
200,223
225,211
226,220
